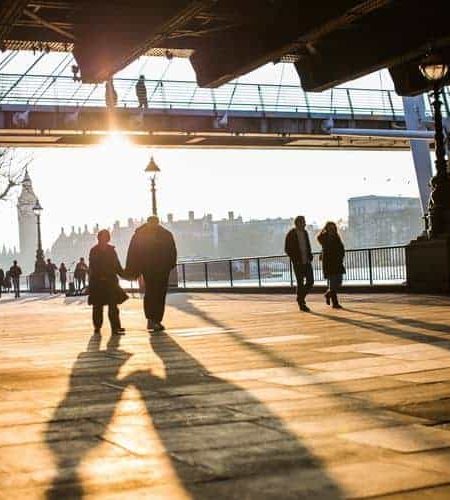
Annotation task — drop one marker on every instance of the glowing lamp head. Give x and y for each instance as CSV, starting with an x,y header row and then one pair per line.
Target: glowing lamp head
x,y
37,209
152,168
433,68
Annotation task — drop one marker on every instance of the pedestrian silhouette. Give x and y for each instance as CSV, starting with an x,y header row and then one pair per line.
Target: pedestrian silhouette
x,y
15,272
80,274
50,271
152,253
63,276
141,93
332,261
110,94
104,289
298,248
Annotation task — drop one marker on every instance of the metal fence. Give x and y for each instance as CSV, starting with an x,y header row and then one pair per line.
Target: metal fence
x,y
368,266
39,89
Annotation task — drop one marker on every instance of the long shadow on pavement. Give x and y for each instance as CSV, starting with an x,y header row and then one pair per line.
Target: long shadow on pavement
x,y
219,451
72,416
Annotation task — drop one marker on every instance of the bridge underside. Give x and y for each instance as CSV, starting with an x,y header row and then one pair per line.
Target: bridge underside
x,y
51,126
227,39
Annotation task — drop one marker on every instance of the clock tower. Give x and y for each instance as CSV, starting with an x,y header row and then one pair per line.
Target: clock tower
x,y
27,225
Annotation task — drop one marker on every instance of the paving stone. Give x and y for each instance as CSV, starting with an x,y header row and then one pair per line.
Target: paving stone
x,y
406,439
223,405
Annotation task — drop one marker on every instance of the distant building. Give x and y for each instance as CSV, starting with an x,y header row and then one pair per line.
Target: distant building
x,y
375,221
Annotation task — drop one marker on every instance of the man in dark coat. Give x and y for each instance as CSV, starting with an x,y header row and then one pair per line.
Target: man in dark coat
x,y
15,272
298,248
104,289
152,253
141,93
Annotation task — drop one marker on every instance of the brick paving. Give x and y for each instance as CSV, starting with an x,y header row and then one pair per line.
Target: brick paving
x,y
243,397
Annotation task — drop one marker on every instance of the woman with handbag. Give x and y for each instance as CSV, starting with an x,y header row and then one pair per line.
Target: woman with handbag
x,y
104,289
332,261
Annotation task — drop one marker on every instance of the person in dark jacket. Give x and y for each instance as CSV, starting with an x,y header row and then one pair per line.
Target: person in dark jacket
x,y
15,272
81,270
2,280
298,248
141,93
63,276
104,289
152,253
332,261
50,270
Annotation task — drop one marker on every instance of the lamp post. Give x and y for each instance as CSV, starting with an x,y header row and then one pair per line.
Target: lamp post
x,y
152,169
39,266
435,70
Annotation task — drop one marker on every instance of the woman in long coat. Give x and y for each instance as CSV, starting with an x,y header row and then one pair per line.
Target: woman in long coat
x,y
104,289
332,261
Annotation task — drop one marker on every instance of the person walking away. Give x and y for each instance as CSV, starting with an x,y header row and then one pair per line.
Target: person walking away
x,y
63,276
104,289
2,280
152,253
333,253
15,273
141,93
7,281
110,94
298,248
50,270
80,273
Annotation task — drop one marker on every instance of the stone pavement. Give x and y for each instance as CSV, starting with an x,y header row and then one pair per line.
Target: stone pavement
x,y
244,397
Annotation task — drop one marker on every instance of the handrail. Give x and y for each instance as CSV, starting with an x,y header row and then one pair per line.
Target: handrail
x,y
170,94
232,259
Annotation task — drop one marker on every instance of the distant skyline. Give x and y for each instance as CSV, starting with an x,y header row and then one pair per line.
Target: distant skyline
x,y
106,183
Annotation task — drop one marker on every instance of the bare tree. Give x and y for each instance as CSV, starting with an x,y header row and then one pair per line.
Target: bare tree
x,y
12,170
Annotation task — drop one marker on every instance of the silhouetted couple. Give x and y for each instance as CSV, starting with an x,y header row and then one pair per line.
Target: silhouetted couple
x,y
298,248
152,254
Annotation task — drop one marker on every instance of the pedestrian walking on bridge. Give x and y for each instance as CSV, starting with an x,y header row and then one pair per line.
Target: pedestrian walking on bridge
x,y
2,280
141,93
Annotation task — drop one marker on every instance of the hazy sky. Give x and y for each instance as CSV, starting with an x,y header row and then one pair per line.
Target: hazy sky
x,y
107,183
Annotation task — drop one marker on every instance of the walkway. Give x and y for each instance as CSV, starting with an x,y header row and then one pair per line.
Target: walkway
x,y
244,397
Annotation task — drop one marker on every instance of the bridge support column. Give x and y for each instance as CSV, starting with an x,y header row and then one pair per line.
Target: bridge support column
x,y
415,116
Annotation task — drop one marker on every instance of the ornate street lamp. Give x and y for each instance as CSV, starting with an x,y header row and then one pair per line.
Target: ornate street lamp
x,y
434,69
39,266
153,169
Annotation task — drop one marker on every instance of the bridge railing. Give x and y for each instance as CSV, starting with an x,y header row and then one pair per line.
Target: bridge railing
x,y
33,89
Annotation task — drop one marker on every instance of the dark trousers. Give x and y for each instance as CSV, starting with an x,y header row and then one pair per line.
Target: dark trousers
x,y
113,315
63,285
155,295
305,280
52,284
16,286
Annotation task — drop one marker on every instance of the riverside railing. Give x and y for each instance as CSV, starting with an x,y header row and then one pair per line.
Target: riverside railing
x,y
368,266
364,267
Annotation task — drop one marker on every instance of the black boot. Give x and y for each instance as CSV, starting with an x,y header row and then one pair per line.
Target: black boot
x,y
327,297
334,301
